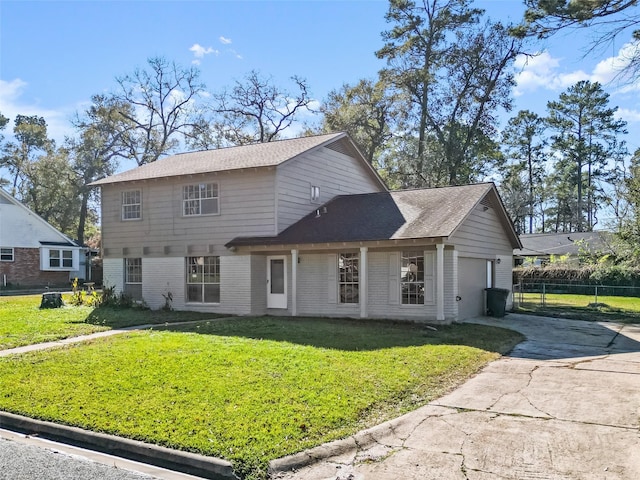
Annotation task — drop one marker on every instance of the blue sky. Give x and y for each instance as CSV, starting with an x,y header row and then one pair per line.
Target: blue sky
x,y
54,55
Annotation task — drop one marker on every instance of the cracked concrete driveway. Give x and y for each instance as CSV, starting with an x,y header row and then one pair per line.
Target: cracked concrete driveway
x,y
564,404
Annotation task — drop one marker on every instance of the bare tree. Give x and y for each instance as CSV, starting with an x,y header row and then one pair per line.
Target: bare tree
x,y
163,104
255,110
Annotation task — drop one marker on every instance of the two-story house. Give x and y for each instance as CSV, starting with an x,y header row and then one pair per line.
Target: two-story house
x,y
33,252
301,227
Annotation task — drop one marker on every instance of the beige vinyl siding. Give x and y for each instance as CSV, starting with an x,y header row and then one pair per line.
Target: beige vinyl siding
x,y
481,235
258,284
503,277
246,209
314,297
385,303
335,173
315,280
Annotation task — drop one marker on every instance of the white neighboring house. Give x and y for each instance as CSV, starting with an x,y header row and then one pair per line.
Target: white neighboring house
x,y
34,253
301,227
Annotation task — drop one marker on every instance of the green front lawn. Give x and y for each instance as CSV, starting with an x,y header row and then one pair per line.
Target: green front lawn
x,y
582,307
248,389
23,323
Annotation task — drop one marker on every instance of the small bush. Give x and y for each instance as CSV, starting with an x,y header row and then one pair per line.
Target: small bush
x,y
114,300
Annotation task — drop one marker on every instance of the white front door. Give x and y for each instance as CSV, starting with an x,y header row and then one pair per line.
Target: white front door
x,y
277,282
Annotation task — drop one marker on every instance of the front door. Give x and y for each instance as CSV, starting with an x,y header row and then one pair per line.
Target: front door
x,y
277,282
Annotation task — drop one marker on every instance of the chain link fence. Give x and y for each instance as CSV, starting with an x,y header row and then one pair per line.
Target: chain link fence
x,y
569,294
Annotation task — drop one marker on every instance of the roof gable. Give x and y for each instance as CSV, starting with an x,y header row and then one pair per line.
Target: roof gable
x,y
259,155
19,226
399,215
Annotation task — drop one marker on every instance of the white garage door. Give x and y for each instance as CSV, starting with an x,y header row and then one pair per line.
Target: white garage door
x,y
472,280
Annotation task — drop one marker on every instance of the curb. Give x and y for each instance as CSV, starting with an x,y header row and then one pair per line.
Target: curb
x,y
362,440
211,468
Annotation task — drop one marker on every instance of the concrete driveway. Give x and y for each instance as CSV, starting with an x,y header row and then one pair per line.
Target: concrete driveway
x,y
565,404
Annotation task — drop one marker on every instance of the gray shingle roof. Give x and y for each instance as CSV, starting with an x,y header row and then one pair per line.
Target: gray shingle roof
x,y
223,159
405,214
542,244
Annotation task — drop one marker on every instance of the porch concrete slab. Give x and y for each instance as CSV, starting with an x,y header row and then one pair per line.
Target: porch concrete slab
x,y
565,404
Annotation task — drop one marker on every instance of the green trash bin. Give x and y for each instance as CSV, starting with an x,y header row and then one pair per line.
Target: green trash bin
x,y
496,301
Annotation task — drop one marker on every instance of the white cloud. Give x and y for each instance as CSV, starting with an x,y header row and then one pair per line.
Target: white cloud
x,y
543,71
225,41
199,52
12,104
235,54
612,70
628,114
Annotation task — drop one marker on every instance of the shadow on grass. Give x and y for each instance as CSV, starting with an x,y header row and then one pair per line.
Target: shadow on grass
x,y
355,335
115,317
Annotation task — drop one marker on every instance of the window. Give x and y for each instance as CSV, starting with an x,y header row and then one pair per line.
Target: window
x,y
201,199
203,279
315,194
61,258
348,285
133,270
412,278
6,254
131,205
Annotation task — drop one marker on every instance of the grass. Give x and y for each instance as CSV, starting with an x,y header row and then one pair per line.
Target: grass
x,y
583,307
251,389
23,323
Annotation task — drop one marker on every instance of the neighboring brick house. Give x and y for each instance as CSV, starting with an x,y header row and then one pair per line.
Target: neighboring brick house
x,y
32,252
301,227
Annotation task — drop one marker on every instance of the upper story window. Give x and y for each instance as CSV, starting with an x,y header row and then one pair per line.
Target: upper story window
x,y
132,205
348,278
315,194
201,199
6,254
60,258
412,278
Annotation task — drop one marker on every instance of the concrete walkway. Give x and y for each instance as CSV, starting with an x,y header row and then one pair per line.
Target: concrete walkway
x,y
564,405
91,336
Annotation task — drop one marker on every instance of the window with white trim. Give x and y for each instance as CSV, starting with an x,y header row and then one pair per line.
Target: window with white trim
x,y
133,270
60,258
412,278
200,199
6,254
348,277
132,205
203,279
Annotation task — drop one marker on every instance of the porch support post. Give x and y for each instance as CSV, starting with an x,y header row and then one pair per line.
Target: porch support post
x,y
294,282
440,281
456,285
363,293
